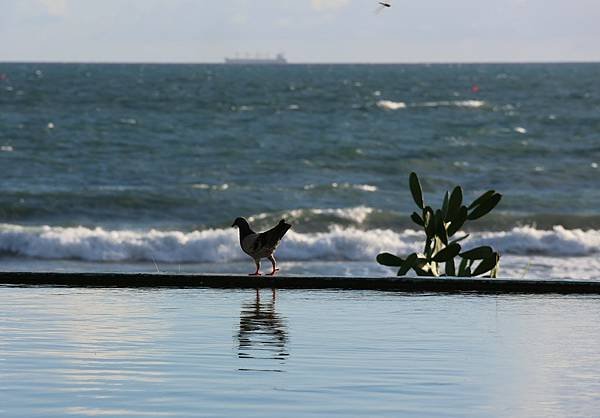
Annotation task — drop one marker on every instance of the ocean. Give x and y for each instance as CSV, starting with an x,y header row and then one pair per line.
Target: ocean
x,y
140,167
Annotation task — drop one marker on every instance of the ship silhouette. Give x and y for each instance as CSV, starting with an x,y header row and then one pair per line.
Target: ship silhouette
x,y
279,59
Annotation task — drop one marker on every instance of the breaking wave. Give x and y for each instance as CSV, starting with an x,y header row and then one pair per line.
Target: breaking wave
x,y
221,245
454,103
391,105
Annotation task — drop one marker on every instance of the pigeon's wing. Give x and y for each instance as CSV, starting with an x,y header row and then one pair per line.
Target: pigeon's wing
x,y
270,239
249,244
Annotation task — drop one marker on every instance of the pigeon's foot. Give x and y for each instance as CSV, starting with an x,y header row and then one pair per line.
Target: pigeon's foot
x,y
273,272
256,273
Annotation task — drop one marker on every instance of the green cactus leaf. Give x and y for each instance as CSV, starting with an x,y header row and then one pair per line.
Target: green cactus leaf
x,y
450,268
458,221
423,273
485,207
429,221
409,263
486,265
454,203
445,205
440,227
496,270
425,268
415,189
417,219
485,196
389,260
462,268
447,253
478,253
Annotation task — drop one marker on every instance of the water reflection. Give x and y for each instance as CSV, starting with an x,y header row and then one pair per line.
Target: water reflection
x,y
263,333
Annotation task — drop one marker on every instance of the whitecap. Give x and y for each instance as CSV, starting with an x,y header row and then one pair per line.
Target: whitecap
x,y
203,186
454,103
362,187
221,245
520,129
390,105
6,148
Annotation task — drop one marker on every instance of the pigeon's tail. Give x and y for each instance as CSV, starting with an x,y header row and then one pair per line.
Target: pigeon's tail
x,y
272,237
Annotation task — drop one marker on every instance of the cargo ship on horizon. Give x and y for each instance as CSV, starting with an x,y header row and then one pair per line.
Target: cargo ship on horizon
x,y
279,59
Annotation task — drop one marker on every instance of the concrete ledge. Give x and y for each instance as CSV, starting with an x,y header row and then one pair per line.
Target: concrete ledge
x,y
402,284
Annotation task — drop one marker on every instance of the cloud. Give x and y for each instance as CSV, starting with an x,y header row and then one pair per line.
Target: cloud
x,y
55,7
321,5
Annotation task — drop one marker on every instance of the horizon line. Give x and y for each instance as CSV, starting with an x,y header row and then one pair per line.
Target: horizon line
x,y
141,62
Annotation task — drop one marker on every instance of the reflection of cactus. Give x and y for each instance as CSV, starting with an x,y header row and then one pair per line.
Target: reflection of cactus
x,y
440,226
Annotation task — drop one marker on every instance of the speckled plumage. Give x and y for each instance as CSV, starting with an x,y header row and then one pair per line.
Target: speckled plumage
x,y
261,245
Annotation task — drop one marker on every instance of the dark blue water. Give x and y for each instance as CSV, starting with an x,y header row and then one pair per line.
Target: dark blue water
x,y
184,149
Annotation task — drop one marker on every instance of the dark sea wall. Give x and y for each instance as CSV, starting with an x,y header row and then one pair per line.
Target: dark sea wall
x,y
402,284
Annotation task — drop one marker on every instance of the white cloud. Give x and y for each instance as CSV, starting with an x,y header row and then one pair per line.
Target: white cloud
x,y
328,4
55,7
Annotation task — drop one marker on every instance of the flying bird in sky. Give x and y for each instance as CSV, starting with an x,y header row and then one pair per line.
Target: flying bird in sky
x,y
383,5
261,245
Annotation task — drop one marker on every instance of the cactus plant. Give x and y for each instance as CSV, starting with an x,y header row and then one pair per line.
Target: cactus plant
x,y
440,226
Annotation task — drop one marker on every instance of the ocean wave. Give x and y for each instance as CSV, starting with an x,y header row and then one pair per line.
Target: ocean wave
x,y
343,186
221,245
454,103
358,214
390,105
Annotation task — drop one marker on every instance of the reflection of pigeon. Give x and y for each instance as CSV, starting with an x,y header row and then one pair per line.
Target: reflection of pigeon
x,y
261,245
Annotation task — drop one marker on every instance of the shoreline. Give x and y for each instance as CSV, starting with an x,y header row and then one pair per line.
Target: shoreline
x,y
227,281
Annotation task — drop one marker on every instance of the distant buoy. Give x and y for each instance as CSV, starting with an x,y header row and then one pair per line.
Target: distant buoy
x,y
475,88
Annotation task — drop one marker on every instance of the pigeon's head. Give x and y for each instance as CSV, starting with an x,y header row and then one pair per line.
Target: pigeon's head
x,y
240,223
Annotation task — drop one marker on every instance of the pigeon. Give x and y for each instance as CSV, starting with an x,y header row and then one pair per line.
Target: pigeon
x,y
261,245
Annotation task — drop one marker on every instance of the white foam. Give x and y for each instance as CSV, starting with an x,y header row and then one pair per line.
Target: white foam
x,y
455,103
558,241
356,214
203,186
6,148
362,187
521,130
221,245
390,105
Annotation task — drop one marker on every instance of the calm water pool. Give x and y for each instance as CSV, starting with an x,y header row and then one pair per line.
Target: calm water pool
x,y
239,353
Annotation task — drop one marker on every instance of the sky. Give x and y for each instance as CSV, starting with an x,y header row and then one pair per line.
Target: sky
x,y
305,30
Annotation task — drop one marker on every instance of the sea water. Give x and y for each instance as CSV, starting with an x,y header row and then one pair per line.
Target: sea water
x,y
145,167
291,353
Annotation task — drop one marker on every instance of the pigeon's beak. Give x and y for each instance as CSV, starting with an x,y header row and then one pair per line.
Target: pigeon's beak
x,y
232,225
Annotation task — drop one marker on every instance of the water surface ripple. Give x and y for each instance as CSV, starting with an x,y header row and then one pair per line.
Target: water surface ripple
x,y
232,353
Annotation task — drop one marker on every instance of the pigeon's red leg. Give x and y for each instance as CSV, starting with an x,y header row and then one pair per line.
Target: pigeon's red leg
x,y
256,273
275,269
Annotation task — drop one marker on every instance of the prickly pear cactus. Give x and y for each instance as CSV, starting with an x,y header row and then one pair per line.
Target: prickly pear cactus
x,y
440,226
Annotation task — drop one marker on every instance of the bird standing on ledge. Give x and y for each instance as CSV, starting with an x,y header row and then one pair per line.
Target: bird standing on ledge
x,y
261,245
